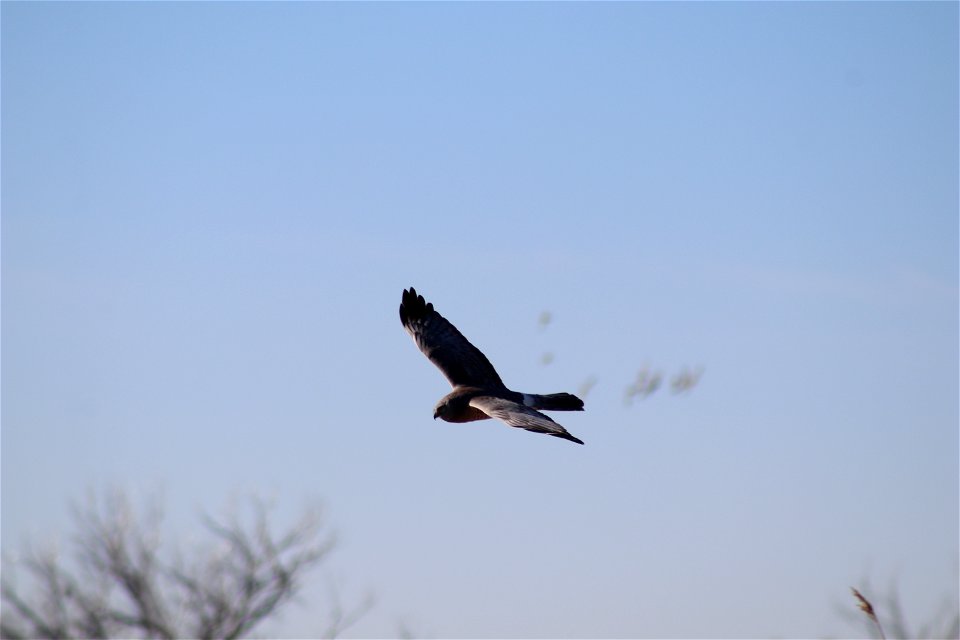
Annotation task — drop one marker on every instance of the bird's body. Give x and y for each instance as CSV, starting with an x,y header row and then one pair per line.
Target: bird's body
x,y
478,392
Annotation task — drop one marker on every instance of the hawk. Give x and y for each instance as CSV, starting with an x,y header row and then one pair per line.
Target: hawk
x,y
478,392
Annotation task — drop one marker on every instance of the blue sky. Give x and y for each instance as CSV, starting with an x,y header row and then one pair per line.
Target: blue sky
x,y
210,211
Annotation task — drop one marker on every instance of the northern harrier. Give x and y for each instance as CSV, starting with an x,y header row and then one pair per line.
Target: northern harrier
x,y
478,392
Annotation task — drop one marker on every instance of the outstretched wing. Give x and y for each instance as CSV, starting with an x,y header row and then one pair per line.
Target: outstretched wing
x,y
518,415
458,360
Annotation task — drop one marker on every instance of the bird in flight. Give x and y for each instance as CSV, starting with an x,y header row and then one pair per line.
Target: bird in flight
x,y
478,392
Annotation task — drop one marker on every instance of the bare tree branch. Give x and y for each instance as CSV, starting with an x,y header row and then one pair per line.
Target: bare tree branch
x,y
342,619
123,588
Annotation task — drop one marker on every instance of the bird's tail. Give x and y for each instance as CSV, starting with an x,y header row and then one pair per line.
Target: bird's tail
x,y
553,401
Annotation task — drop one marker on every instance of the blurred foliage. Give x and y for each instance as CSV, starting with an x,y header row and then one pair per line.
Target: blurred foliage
x,y
645,384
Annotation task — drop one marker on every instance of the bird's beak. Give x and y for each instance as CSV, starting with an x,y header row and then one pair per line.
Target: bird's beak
x,y
436,415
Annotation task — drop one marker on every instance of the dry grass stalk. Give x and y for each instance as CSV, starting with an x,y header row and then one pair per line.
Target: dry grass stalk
x,y
867,608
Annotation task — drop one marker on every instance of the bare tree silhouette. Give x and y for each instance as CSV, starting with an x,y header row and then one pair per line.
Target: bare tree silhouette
x,y
118,585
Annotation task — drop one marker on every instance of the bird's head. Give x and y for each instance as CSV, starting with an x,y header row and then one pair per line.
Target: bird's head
x,y
440,410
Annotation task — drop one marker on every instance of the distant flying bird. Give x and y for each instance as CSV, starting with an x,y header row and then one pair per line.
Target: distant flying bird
x,y
478,392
